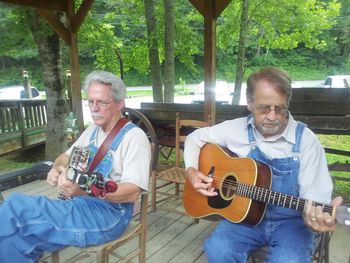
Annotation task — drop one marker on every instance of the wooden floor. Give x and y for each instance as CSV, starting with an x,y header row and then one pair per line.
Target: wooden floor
x,y
176,238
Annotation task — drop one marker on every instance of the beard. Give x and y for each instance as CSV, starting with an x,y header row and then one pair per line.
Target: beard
x,y
270,128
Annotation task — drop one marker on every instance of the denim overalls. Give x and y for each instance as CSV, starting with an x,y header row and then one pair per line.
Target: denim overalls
x,y
106,164
31,225
282,229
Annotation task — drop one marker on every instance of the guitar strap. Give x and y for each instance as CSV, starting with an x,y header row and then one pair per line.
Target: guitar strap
x,y
106,143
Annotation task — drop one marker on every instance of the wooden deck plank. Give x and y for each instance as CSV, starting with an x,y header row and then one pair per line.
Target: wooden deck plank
x,y
193,252
181,242
173,238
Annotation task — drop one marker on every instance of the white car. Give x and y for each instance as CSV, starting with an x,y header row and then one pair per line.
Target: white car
x,y
223,94
17,93
336,81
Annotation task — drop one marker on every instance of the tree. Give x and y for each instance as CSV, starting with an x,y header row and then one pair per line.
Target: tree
x,y
342,31
153,51
48,44
302,22
241,52
169,66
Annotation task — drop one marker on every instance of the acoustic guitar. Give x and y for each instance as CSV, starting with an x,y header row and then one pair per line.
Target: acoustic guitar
x,y
243,187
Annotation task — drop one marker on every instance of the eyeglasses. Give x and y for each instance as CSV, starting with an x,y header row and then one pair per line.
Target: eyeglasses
x,y
266,109
99,103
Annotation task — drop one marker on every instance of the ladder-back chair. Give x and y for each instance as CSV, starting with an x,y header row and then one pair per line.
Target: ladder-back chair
x,y
174,176
138,226
319,255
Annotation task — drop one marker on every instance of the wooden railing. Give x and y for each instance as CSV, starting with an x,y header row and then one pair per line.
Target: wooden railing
x,y
22,124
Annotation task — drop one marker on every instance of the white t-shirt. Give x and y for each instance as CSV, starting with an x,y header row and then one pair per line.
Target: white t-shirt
x,y
314,180
131,160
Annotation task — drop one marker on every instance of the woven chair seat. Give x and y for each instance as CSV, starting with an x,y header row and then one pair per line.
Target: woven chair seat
x,y
173,174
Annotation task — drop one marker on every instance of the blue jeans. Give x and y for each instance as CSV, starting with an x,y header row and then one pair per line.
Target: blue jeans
x,y
289,241
31,225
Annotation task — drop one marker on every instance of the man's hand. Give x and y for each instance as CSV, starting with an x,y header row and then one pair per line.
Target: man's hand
x,y
57,169
320,221
200,182
66,187
53,175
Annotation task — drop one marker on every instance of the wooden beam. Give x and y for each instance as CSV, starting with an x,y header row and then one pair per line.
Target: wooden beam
x,y
82,12
56,24
55,5
209,60
220,6
74,68
199,5
210,10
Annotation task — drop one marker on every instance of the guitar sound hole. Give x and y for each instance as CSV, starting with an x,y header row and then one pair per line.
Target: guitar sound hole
x,y
229,187
225,194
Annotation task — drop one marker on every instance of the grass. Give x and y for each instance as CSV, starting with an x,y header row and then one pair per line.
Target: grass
x,y
339,142
21,159
24,159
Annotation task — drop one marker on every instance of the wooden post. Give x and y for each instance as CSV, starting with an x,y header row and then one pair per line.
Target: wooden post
x,y
209,60
210,10
74,68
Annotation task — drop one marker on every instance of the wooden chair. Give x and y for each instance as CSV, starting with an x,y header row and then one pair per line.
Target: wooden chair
x,y
138,225
176,174
319,255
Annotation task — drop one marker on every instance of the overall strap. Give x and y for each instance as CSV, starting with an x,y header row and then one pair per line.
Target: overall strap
x,y
298,134
93,136
117,139
251,136
107,142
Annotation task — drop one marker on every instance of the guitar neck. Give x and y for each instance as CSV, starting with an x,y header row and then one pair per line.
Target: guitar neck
x,y
79,158
275,198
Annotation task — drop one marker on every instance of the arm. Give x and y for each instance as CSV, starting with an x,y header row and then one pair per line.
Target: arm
x,y
193,144
200,182
58,167
126,193
316,185
319,221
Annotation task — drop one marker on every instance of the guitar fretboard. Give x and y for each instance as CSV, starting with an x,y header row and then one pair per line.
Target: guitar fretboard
x,y
276,198
79,158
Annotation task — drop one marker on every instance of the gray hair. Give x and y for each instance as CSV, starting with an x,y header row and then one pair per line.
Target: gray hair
x,y
275,76
117,86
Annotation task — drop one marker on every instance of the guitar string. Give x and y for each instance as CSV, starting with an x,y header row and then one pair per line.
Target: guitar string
x,y
233,185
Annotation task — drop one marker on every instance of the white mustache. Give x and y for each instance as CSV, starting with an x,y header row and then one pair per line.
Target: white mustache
x,y
277,122
96,116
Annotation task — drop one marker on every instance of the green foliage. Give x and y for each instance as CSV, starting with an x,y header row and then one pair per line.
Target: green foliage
x,y
308,40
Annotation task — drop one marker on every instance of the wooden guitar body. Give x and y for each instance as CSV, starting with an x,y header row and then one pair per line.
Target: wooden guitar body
x,y
227,168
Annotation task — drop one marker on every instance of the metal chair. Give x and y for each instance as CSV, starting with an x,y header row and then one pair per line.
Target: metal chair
x,y
138,226
175,174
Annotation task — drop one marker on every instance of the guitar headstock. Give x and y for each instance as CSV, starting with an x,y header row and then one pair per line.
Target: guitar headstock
x,y
79,158
343,215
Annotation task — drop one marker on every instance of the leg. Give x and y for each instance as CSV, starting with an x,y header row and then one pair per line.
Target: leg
x,y
40,224
233,242
291,242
